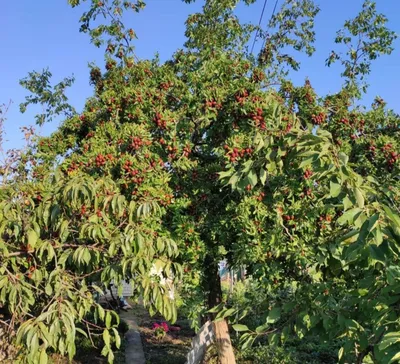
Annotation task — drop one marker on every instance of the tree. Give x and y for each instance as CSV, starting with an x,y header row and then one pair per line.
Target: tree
x,y
202,156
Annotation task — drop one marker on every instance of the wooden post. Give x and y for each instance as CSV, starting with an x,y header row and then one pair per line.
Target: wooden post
x,y
223,342
212,285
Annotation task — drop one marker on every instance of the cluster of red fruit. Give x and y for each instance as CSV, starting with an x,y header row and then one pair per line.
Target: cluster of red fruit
x,y
235,153
212,104
160,122
129,170
319,118
372,151
289,125
309,98
95,75
101,159
306,192
360,124
72,167
307,174
258,118
167,199
260,196
172,151
186,151
327,218
241,96
110,64
390,155
288,128
136,143
83,210
323,220
148,72
131,33
166,85
258,76
258,224
288,217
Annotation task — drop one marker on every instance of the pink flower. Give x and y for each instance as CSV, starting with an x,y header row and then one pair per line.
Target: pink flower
x,y
162,326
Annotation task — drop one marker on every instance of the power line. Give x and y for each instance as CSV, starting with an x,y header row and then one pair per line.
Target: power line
x,y
272,15
259,24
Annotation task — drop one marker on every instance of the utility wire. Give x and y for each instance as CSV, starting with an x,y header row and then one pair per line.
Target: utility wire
x,y
259,24
272,15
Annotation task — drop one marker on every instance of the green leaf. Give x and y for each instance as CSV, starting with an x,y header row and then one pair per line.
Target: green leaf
x,y
216,308
307,162
392,216
341,352
248,343
359,198
252,176
389,339
32,238
240,327
335,188
117,338
347,203
395,358
43,357
263,176
349,216
377,253
344,158
393,274
108,320
274,315
229,312
106,337
273,339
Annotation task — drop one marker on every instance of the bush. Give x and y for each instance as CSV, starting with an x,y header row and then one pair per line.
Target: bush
x,y
309,350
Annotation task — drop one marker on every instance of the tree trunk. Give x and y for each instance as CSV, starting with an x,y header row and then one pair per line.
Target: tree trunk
x,y
222,338
223,342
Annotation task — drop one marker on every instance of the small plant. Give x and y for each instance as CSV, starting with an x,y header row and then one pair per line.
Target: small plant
x,y
160,330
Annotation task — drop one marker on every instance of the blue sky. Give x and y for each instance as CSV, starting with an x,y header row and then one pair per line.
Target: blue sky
x,y
45,33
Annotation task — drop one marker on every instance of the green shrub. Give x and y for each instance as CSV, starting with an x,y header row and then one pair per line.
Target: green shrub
x,y
309,350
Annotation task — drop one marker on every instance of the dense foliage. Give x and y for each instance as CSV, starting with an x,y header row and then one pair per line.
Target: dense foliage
x,y
172,167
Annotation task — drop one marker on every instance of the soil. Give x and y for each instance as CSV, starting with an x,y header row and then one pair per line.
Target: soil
x,y
172,348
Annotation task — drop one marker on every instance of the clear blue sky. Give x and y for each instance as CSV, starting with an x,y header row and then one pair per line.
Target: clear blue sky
x,y
37,34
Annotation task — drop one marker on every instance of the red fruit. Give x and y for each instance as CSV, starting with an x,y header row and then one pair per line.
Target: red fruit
x,y
307,174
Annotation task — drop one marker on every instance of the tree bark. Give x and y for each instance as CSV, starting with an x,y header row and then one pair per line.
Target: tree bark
x,y
223,342
221,332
